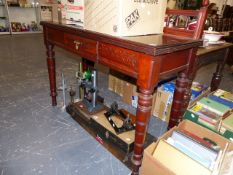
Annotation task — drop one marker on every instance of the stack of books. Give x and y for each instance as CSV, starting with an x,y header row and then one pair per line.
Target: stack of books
x,y
189,149
213,111
223,97
192,149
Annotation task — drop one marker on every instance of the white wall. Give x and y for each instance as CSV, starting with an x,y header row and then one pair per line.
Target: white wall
x,y
23,15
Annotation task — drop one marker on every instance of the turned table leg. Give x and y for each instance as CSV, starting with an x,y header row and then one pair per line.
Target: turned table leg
x,y
217,76
182,94
52,73
180,99
143,116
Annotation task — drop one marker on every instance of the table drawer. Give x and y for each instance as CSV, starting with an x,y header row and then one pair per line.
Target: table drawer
x,y
55,36
86,48
123,60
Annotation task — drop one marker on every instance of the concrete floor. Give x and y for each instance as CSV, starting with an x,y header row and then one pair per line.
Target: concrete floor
x,y
36,138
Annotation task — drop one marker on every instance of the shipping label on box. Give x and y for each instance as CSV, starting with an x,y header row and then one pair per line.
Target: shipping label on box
x,y
125,17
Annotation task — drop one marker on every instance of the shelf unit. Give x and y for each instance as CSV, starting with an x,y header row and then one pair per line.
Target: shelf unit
x,y
21,19
4,18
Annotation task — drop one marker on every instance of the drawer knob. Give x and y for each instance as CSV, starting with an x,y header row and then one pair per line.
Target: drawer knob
x,y
77,44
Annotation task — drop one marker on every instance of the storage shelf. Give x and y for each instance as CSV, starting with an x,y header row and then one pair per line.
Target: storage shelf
x,y
29,32
18,6
4,33
26,13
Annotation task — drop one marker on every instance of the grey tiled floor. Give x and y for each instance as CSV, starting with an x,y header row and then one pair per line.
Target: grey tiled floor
x,y
36,138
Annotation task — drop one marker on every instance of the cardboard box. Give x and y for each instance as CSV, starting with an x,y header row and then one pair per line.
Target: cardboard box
x,y
111,82
55,12
194,118
151,166
226,128
125,17
43,2
46,12
130,90
72,12
163,103
124,141
116,84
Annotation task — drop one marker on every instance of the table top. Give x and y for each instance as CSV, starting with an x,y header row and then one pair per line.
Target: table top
x,y
154,44
212,48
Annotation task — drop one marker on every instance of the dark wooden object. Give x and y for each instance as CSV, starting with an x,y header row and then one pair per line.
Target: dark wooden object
x,y
146,58
182,92
215,53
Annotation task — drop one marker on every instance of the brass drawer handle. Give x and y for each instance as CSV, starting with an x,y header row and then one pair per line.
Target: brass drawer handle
x,y
77,44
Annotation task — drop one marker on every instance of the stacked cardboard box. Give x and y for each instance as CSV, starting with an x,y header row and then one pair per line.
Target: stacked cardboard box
x,y
125,17
164,98
188,149
125,87
71,11
116,17
46,12
49,10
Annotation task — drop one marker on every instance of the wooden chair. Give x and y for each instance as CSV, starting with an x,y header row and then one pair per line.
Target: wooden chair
x,y
185,78
184,31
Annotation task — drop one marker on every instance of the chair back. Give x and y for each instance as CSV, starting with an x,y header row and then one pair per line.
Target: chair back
x,y
181,25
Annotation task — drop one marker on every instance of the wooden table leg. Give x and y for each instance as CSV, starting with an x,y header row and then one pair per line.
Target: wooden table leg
x,y
182,94
179,100
52,73
217,76
143,116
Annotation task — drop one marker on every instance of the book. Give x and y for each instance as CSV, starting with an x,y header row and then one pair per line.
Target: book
x,y
207,124
214,106
189,115
224,95
188,145
205,114
221,100
228,122
177,161
203,141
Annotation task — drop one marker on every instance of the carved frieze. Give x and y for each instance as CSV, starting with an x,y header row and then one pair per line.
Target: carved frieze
x,y
119,55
